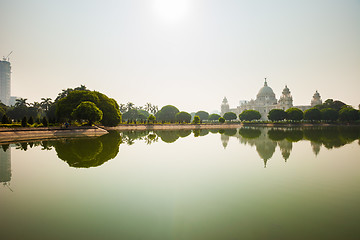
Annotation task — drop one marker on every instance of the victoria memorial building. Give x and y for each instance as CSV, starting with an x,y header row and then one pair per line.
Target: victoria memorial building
x,y
266,101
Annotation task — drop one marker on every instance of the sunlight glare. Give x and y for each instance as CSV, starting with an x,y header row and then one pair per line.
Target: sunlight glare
x,y
171,11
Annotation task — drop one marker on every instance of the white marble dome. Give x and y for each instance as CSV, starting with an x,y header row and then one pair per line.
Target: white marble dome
x,y
266,91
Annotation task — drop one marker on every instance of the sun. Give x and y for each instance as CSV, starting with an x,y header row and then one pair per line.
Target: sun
x,y
171,11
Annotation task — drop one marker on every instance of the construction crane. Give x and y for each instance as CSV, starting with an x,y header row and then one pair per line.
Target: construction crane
x,y
7,57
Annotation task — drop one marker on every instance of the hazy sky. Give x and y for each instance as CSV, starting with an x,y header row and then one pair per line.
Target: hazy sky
x,y
188,53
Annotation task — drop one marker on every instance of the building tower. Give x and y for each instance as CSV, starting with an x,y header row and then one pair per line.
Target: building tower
x,y
316,100
224,106
286,100
5,71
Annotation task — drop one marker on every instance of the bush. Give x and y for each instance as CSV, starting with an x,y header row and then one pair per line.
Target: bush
x,y
196,119
229,116
87,111
312,114
277,115
183,117
221,119
44,122
348,114
24,122
31,120
249,115
294,114
329,114
214,117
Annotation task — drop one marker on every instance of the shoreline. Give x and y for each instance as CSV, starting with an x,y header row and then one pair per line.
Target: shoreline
x,y
10,135
144,127
28,134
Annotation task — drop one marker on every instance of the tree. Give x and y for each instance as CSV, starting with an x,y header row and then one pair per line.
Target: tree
x,y
221,119
312,114
330,103
214,117
276,115
167,113
31,120
44,122
87,111
229,116
329,114
249,115
24,122
294,114
348,114
203,115
5,119
196,119
21,102
183,117
109,107
46,104
151,118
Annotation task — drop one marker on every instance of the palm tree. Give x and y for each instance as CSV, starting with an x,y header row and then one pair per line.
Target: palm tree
x,y
46,103
130,106
122,107
21,102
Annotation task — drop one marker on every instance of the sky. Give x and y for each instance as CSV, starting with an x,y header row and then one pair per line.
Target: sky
x,y
187,53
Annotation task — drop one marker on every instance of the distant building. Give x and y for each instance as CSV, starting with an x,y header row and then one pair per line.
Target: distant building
x,y
5,73
266,101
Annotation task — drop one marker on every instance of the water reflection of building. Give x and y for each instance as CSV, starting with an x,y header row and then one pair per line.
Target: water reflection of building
x,y
259,138
224,140
315,147
5,166
285,148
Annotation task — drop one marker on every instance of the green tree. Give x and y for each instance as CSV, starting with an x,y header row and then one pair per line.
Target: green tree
x,y
151,118
203,115
196,119
109,107
330,103
214,117
294,114
249,115
329,114
221,119
167,113
348,114
229,116
276,115
44,122
5,119
31,120
312,114
183,117
87,111
24,122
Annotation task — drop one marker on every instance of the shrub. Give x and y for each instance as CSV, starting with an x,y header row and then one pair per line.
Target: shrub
x,y
24,122
44,122
221,119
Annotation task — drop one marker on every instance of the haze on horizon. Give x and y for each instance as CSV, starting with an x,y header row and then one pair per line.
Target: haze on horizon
x,y
186,53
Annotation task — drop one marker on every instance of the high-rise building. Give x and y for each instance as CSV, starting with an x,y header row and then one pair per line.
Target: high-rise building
x,y
5,77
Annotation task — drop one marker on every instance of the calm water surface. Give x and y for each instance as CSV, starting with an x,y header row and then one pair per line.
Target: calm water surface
x,y
248,183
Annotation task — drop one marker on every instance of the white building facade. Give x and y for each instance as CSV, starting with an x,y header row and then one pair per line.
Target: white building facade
x,y
5,73
266,101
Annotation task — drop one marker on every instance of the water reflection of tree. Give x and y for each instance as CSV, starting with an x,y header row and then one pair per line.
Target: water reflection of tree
x,y
88,152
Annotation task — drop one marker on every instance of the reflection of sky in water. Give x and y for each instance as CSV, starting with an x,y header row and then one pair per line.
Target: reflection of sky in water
x,y
192,188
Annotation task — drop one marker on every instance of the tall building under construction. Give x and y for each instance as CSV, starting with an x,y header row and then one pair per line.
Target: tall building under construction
x,y
5,77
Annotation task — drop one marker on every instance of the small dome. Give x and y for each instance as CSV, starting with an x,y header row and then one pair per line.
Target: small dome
x,y
266,91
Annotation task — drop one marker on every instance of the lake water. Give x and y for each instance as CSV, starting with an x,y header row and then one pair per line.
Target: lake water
x,y
248,183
